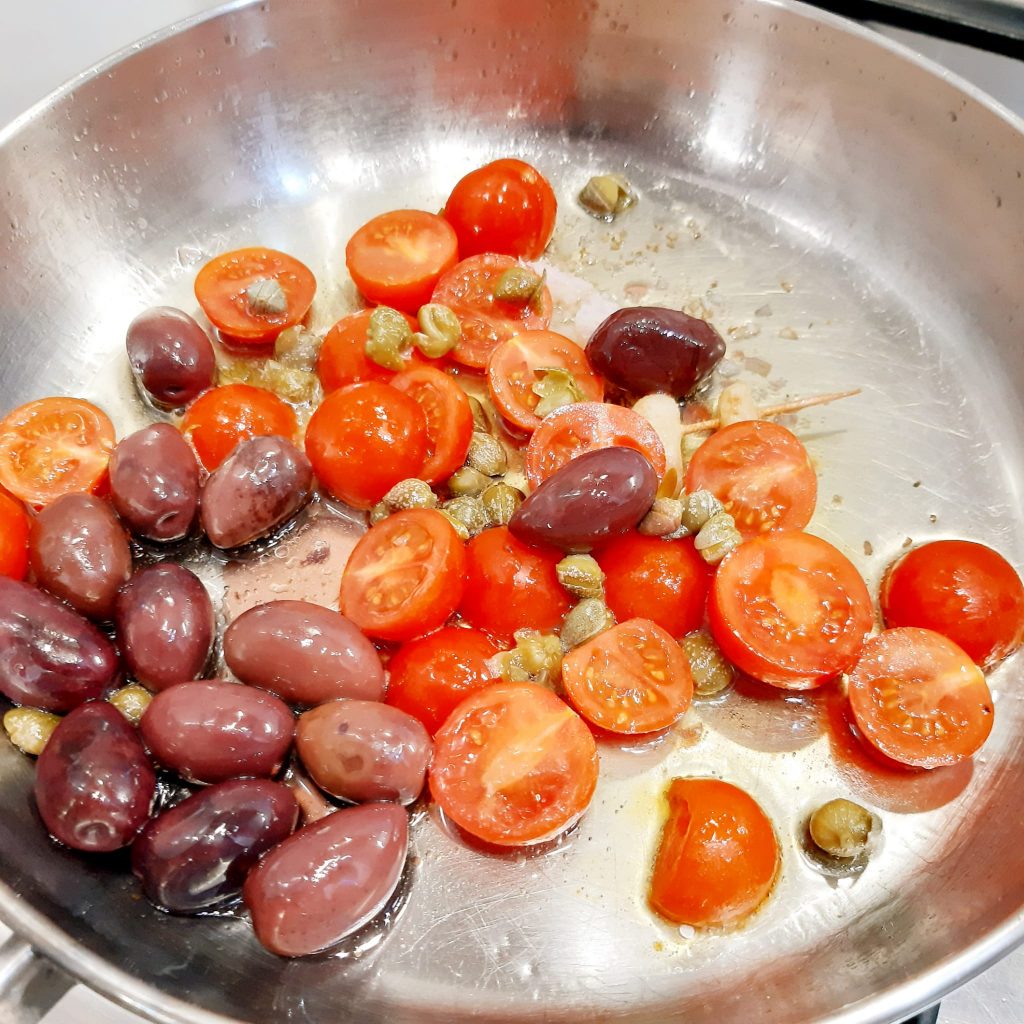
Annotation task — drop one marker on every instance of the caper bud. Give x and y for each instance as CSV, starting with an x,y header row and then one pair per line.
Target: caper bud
x,y
843,829
131,701
536,658
717,537
581,576
663,519
379,513
410,493
468,481
439,331
605,196
388,337
486,454
470,512
29,729
501,502
556,389
584,621
518,284
698,508
480,420
266,297
711,672
457,524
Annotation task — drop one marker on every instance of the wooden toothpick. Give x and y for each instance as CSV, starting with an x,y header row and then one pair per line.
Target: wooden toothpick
x,y
775,410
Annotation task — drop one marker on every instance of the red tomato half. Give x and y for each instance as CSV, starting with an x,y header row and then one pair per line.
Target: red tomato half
x,y
789,609
963,590
363,439
448,415
585,427
760,472
396,258
404,577
517,365
919,699
513,765
632,678
665,581
343,360
506,206
468,291
14,524
428,677
718,857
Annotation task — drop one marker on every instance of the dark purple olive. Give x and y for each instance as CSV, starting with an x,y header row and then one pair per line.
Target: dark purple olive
x,y
50,657
327,880
170,355
94,784
360,750
80,552
210,730
196,855
260,485
596,496
647,348
303,652
164,619
154,483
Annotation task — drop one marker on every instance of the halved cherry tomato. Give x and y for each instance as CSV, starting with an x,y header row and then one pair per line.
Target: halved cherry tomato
x,y
760,472
651,578
343,360
718,857
513,765
919,699
404,577
585,427
428,677
517,365
363,439
632,678
54,446
511,585
506,206
449,419
468,291
221,290
396,258
963,590
221,418
789,609
14,524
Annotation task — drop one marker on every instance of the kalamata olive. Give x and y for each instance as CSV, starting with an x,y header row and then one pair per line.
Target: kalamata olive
x,y
164,619
196,855
170,355
154,483
260,485
50,657
361,750
80,552
210,730
647,348
596,496
94,783
327,880
303,652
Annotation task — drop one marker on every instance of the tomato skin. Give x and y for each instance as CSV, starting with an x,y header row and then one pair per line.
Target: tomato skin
x,y
513,765
718,858
395,259
429,677
14,530
650,578
511,585
363,439
789,609
760,472
919,699
506,207
405,576
343,360
221,418
961,589
448,415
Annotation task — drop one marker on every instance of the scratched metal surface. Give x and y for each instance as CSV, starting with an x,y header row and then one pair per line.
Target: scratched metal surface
x,y
844,216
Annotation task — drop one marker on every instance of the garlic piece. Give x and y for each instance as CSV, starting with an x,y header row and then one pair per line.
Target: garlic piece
x,y
662,412
736,404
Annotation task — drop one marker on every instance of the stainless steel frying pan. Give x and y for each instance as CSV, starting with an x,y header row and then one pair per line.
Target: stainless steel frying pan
x,y
846,214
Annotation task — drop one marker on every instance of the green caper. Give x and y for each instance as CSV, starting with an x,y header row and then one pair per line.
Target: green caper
x,y
584,621
131,701
379,513
410,493
581,576
439,331
266,297
556,389
298,347
388,337
486,454
711,672
501,502
480,420
518,284
536,658
30,729
698,508
470,512
717,537
457,524
843,829
467,481
663,519
605,196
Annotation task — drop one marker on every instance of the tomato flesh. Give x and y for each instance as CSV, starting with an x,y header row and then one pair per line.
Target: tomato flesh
x,y
14,529
343,360
448,415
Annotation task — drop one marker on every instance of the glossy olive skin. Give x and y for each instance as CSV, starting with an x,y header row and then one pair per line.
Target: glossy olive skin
x,y
154,483
50,656
594,497
648,348
260,485
165,625
210,730
170,355
94,784
327,880
303,652
196,855
360,750
80,552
